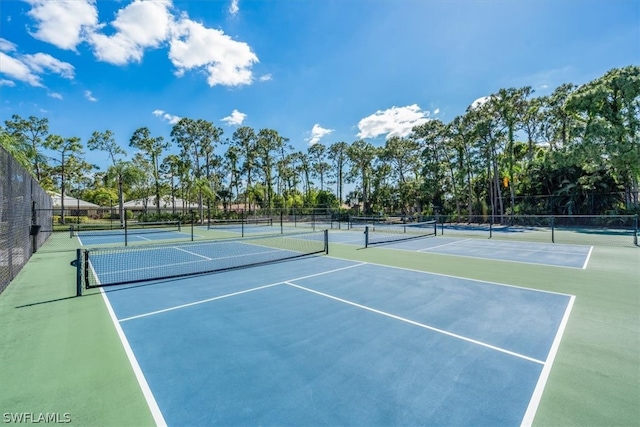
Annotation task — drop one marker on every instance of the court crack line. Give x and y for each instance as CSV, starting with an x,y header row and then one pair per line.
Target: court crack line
x,y
422,325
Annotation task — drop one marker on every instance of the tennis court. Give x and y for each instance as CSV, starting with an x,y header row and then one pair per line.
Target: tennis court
x,y
138,233
270,329
336,342
395,237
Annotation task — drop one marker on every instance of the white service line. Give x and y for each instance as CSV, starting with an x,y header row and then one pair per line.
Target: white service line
x,y
445,244
192,253
177,307
422,325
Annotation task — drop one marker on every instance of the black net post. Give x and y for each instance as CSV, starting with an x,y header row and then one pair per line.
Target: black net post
x,y
193,218
78,272
326,242
242,216
313,219
553,237
491,228
366,236
281,225
635,230
126,232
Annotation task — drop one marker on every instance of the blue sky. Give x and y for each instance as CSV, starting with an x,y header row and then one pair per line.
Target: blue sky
x,y
316,70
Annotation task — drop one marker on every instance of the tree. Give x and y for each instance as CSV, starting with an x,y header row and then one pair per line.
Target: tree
x,y
244,138
319,167
197,139
105,141
17,148
362,154
30,132
170,170
268,141
153,148
66,147
610,113
338,156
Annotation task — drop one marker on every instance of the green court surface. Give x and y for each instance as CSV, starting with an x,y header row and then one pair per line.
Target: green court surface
x,y
61,354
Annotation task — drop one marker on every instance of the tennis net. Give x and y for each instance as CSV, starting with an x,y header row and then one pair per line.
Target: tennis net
x,y
131,228
238,223
387,233
121,265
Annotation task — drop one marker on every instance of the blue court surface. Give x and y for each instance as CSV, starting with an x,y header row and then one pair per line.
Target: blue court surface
x,y
552,254
325,341
106,237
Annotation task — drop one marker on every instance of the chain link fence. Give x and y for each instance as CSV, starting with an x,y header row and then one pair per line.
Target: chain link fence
x,y
25,219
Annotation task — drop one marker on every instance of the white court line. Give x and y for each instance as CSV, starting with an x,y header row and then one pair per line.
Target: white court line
x,y
142,381
143,238
177,307
519,247
462,278
487,259
422,325
192,253
532,408
586,261
445,244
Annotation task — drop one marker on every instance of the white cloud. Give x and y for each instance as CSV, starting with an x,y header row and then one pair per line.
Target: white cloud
x,y
18,70
265,78
140,25
55,95
235,119
6,45
63,23
9,83
479,102
89,96
225,61
143,25
317,132
234,8
171,119
436,111
395,121
30,68
43,62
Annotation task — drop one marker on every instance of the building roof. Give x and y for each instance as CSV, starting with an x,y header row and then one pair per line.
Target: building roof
x,y
71,202
165,203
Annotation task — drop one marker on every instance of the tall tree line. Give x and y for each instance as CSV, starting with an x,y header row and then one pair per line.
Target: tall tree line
x,y
575,151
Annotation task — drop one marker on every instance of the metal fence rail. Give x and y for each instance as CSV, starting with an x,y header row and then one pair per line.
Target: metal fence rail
x,y
24,208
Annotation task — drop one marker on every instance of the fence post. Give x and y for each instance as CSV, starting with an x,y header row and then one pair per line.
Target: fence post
x,y
281,228
491,227
553,231
126,229
635,229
